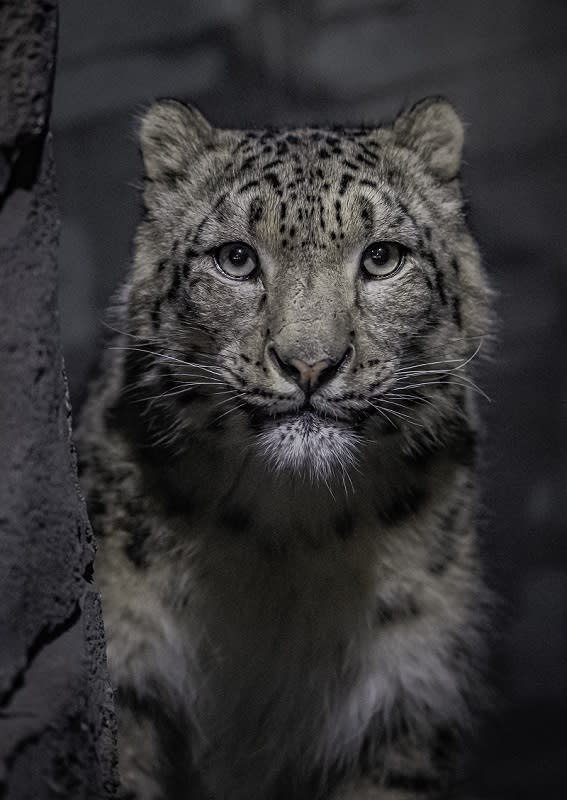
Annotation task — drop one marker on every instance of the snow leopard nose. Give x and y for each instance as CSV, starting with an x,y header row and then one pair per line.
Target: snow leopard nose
x,y
309,377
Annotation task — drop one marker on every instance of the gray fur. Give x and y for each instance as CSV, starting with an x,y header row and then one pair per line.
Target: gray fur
x,y
297,590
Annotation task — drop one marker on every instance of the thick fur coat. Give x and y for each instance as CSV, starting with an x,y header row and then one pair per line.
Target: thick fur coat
x,y
279,462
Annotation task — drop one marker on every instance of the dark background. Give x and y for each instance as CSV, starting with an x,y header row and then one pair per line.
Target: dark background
x,y
504,65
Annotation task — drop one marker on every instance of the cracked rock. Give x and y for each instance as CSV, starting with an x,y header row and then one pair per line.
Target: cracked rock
x,y
57,735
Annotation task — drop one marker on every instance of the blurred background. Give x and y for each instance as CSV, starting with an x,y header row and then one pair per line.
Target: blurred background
x,y
251,62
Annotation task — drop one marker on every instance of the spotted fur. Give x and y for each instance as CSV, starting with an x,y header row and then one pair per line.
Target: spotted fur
x,y
292,595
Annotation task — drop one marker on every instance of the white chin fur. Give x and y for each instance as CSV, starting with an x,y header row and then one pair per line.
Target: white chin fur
x,y
310,446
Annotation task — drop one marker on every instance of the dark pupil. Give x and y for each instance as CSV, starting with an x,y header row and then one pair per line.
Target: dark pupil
x,y
380,255
238,256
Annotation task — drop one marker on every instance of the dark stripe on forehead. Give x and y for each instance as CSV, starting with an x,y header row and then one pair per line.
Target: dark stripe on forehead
x,y
366,213
218,203
242,143
407,213
372,143
321,214
345,180
275,163
255,213
248,163
370,155
350,165
274,182
364,160
247,186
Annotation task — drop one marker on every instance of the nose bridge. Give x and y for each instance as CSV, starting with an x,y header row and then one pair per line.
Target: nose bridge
x,y
312,323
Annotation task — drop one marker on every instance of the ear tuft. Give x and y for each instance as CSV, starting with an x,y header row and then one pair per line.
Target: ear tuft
x,y
170,134
433,129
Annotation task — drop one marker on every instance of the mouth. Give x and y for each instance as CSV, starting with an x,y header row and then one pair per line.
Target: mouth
x,y
306,413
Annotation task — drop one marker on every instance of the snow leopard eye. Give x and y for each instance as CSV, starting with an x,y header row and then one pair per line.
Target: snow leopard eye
x,y
382,259
237,260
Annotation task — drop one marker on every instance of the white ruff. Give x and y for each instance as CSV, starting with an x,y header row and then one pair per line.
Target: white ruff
x,y
310,446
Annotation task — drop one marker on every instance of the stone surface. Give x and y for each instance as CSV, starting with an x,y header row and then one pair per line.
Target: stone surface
x,y
56,719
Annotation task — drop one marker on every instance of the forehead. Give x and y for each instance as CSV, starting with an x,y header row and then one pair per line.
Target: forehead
x,y
310,185
305,157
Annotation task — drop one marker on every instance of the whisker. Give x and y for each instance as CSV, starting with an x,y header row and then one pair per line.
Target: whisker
x,y
230,410
452,382
415,397
384,414
404,416
173,392
165,357
234,397
406,371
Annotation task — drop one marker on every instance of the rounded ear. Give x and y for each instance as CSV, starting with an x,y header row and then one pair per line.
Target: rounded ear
x,y
170,134
433,129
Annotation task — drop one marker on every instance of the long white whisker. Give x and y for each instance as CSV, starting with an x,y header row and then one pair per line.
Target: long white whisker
x,y
165,357
234,396
418,398
194,374
230,410
444,361
172,392
403,416
452,382
383,412
427,364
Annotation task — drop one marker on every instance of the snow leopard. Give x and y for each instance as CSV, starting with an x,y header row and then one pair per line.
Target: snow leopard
x,y
279,457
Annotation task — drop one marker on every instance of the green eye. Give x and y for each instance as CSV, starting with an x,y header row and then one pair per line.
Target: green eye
x,y
237,260
382,259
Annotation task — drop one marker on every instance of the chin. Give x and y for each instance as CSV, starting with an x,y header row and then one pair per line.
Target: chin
x,y
309,446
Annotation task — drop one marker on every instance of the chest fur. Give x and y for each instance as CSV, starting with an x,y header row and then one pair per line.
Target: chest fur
x,y
287,663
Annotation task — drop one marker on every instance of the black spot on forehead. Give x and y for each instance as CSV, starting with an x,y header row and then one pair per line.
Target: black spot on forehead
x,y
273,180
255,213
346,179
366,213
248,185
248,163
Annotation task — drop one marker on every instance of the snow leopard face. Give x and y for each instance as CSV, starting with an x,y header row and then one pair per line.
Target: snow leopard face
x,y
309,288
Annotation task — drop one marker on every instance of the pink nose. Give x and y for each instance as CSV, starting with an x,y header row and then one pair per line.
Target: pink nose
x,y
308,377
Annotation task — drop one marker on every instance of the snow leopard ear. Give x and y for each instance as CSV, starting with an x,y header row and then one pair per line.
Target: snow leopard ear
x,y
433,129
171,133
